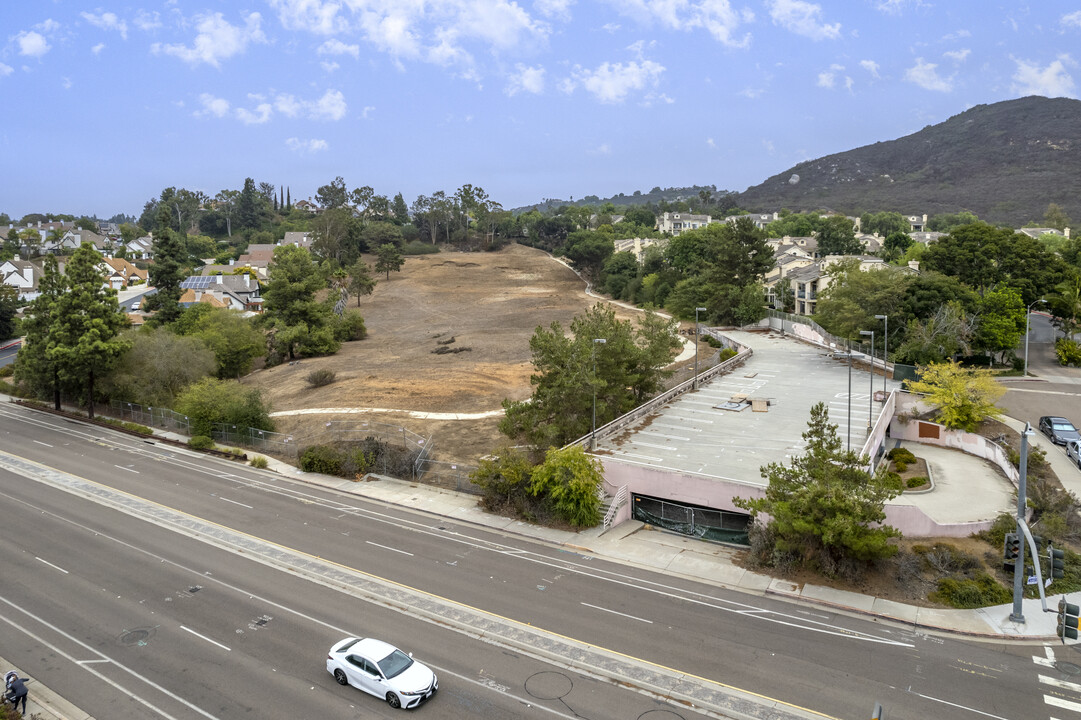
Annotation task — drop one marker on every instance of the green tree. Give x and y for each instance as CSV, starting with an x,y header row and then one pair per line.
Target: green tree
x,y
232,338
504,478
300,325
166,274
569,480
964,397
853,298
896,245
1001,321
388,258
1056,217
157,366
361,281
937,336
399,210
588,250
332,195
825,509
836,236
619,271
85,342
211,401
250,207
35,367
638,215
9,305
629,369
884,223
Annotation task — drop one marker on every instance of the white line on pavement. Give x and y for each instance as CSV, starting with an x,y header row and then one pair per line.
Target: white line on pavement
x,y
386,547
614,612
56,567
204,637
225,499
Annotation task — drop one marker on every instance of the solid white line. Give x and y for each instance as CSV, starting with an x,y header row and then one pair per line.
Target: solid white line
x,y
1050,652
250,507
963,707
128,469
55,567
204,637
92,662
1053,682
403,552
110,681
632,617
43,443
1045,662
1059,702
670,437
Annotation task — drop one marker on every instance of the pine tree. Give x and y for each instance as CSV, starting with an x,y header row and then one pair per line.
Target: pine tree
x,y
166,274
288,200
84,340
34,367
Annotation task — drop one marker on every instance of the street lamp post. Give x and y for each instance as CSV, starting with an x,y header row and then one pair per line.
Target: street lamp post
x,y
696,332
871,398
1028,311
885,349
1019,562
848,347
593,435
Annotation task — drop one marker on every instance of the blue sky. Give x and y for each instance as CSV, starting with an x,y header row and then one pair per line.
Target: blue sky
x,y
108,104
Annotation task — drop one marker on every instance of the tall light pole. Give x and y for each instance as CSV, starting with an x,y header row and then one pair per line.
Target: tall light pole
x,y
848,347
1028,311
1019,563
696,332
871,398
593,435
885,349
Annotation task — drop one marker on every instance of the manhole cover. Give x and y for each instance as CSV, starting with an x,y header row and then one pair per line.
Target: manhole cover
x,y
548,685
1068,668
137,636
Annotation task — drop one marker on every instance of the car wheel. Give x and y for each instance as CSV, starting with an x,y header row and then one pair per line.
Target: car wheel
x,y
340,677
393,700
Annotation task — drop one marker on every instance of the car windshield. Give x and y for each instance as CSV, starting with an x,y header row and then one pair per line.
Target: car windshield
x,y
395,664
1063,426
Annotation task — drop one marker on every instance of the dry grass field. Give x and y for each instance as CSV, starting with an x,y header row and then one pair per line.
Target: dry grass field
x,y
489,303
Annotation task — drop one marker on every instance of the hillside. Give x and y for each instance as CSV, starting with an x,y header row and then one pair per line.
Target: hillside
x,y
1005,162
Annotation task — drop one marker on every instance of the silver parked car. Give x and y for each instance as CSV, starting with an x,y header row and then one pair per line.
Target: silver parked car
x,y
1073,451
1059,429
382,670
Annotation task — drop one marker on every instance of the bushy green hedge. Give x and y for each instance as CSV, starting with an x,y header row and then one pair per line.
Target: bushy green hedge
x,y
201,442
1068,352
901,454
320,377
130,426
258,461
355,459
918,481
417,247
975,592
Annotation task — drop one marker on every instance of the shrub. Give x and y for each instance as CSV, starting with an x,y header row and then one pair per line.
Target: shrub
x,y
417,247
1068,352
996,534
201,442
966,593
893,481
712,341
351,326
900,465
129,426
918,481
258,461
212,401
321,459
902,454
726,354
7,370
321,377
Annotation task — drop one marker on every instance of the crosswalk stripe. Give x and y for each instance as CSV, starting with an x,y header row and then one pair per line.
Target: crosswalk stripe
x,y
1045,662
1060,683
1059,702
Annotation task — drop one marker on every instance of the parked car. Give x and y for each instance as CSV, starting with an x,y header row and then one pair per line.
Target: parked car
x,y
1073,451
382,670
1060,430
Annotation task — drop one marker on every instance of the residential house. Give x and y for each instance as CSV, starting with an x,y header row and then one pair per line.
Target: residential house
x,y
140,248
675,223
73,239
1037,232
807,282
24,276
302,239
638,245
306,205
760,220
916,223
237,292
120,273
926,236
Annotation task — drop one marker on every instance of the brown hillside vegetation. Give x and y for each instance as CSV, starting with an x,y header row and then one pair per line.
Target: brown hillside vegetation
x,y
489,303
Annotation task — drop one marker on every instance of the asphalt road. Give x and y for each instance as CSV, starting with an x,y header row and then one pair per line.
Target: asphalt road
x,y
171,585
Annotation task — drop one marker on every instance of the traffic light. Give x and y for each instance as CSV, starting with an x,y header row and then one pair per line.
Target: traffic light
x,y
1067,620
1058,562
1010,551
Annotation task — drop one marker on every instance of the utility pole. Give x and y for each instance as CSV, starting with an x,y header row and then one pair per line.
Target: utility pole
x,y
1018,614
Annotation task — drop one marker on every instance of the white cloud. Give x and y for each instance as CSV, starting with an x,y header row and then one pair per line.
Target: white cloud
x,y
48,26
610,27
218,107
329,107
32,44
714,16
525,79
611,82
259,116
957,55
66,83
802,18
5,70
1051,81
337,47
329,65
311,15
826,79
217,40
957,35
368,110
107,21
752,93
97,48
926,76
559,9
1072,19
306,146
711,144
870,66
146,21
894,7
602,149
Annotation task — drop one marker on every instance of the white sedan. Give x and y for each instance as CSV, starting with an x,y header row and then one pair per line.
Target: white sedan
x,y
382,670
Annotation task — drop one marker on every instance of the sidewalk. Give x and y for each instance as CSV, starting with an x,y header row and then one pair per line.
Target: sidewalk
x,y
41,702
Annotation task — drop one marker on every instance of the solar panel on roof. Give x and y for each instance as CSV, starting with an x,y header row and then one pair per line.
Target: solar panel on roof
x,y
197,282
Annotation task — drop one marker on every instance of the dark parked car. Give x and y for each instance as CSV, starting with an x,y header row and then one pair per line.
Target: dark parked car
x,y
1060,430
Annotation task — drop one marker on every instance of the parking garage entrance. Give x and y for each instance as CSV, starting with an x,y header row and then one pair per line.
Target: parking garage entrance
x,y
696,520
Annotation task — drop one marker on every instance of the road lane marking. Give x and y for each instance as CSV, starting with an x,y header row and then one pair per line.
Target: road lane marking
x,y
1053,682
91,662
55,567
204,637
128,469
386,547
43,443
225,499
614,612
1064,704
962,707
104,657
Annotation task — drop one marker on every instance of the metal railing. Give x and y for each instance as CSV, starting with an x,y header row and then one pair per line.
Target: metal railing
x,y
617,503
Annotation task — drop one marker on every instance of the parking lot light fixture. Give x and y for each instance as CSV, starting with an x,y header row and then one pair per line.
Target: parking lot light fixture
x,y
871,397
885,349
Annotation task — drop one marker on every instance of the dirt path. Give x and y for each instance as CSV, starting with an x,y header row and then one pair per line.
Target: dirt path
x,y
483,308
